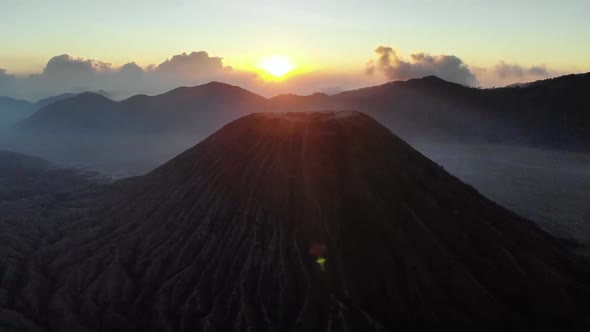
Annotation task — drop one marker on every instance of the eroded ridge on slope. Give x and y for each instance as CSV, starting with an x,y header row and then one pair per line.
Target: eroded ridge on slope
x,y
293,221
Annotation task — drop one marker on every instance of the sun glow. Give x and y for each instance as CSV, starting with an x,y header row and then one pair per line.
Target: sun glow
x,y
276,66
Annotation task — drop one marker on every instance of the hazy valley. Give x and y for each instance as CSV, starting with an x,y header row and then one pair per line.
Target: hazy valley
x,y
494,139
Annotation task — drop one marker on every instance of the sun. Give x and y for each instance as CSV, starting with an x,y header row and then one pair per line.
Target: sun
x,y
276,66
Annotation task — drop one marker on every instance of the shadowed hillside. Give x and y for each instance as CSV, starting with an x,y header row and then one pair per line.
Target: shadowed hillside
x,y
181,110
133,136
544,113
552,113
29,185
291,221
90,130
78,114
50,100
23,176
12,111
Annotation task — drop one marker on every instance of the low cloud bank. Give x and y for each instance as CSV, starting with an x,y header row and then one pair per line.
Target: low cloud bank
x,y
449,67
65,73
389,63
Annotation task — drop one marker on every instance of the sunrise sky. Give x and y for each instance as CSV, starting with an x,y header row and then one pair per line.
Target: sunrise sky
x,y
332,45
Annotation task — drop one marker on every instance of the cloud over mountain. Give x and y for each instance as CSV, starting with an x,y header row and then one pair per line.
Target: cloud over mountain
x,y
68,74
195,63
65,73
66,65
505,73
6,80
395,67
507,70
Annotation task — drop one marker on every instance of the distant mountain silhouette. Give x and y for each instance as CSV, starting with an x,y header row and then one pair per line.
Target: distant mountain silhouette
x,y
82,112
50,100
549,113
204,107
105,93
132,136
90,129
289,221
12,111
7,102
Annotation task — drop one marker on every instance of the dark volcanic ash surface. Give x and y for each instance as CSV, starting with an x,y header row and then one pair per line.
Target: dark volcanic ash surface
x,y
321,221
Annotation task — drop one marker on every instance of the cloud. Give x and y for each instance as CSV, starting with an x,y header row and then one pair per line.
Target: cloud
x,y
69,73
195,63
186,69
65,65
4,75
395,67
502,74
506,70
539,71
7,83
65,73
5,78
132,69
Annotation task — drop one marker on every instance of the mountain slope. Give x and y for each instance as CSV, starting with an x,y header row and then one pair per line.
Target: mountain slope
x,y
11,103
23,177
550,113
181,110
13,111
93,131
295,221
81,113
133,136
553,112
203,108
50,100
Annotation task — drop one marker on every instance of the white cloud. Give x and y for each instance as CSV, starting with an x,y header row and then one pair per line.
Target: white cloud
x,y
395,67
507,70
64,73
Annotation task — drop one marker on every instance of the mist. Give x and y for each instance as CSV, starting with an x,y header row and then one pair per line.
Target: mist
x,y
495,150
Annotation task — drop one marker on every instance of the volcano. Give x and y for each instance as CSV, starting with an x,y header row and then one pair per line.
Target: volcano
x,y
322,221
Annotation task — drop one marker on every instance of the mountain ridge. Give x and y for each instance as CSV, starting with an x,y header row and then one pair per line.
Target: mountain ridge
x,y
12,111
229,234
549,115
391,102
